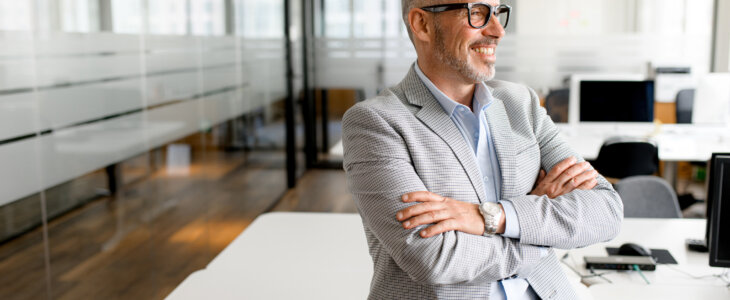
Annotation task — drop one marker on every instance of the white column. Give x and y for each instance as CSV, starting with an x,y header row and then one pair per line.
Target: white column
x,y
722,36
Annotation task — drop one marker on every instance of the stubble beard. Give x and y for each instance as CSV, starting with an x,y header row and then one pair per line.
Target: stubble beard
x,y
461,66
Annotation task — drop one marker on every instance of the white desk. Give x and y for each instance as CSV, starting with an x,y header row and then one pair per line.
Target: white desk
x,y
288,256
676,142
324,256
667,280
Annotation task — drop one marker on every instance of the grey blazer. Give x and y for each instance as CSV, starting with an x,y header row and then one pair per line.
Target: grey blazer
x,y
402,141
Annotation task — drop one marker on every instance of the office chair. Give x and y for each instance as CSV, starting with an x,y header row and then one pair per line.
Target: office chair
x,y
685,101
648,197
556,104
622,157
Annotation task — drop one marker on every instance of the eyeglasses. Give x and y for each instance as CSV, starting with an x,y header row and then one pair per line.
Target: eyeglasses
x,y
479,13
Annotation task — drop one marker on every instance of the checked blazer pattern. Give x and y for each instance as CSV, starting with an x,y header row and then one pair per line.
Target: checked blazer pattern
x,y
402,141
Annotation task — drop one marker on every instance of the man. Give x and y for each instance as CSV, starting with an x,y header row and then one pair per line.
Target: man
x,y
445,169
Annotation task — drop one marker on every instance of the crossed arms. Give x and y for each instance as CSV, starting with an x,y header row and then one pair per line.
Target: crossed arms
x,y
380,172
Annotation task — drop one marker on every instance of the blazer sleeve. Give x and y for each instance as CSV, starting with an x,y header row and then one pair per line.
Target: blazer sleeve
x,y
379,171
576,219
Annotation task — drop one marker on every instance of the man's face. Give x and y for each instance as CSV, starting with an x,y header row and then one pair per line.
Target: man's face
x,y
469,52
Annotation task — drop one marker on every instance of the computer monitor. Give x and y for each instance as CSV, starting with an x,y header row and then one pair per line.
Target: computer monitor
x,y
718,208
611,98
617,101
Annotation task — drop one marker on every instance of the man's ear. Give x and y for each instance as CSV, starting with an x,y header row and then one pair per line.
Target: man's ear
x,y
421,25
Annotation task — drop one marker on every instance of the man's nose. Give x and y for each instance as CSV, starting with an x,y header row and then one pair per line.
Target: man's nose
x,y
493,28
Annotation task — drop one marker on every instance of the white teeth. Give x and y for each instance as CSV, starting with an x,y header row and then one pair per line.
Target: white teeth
x,y
488,51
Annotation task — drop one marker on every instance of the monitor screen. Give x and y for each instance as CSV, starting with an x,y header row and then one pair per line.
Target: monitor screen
x,y
710,192
719,218
616,101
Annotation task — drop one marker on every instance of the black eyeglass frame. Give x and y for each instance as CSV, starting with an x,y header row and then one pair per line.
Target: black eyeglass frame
x,y
492,11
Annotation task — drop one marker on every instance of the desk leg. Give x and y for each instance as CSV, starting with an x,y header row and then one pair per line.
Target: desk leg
x,y
670,173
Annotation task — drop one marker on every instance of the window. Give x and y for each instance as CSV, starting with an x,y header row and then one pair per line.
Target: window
x,y
79,15
167,17
337,18
127,16
207,17
15,15
259,18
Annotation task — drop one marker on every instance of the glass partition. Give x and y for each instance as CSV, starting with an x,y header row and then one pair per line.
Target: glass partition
x,y
133,155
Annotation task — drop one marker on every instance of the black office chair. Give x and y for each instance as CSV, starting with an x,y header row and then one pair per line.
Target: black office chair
x,y
622,157
556,104
685,101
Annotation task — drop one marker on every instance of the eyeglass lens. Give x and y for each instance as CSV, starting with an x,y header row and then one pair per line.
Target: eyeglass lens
x,y
480,15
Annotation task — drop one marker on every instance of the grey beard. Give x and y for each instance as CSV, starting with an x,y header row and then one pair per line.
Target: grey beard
x,y
461,66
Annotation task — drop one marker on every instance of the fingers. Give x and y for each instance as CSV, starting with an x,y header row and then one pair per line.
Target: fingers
x,y
439,228
422,196
541,176
419,209
589,185
560,168
568,177
582,179
430,217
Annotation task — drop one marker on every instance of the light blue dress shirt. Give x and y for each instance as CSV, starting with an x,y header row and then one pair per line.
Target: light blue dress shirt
x,y
474,127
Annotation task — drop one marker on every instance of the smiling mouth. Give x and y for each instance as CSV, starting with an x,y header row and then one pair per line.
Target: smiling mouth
x,y
484,50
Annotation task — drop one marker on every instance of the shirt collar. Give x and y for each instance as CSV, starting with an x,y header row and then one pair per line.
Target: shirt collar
x,y
482,95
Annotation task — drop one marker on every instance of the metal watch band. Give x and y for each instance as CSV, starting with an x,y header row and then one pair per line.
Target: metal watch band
x,y
491,213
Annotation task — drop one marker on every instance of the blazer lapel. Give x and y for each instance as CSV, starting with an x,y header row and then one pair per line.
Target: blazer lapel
x,y
434,116
499,126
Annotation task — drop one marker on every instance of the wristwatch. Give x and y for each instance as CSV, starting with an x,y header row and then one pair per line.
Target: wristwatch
x,y
492,213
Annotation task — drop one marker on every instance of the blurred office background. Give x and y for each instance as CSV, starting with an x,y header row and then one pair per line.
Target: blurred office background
x,y
139,137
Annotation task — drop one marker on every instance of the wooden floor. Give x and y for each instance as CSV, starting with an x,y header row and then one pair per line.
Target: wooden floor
x,y
142,243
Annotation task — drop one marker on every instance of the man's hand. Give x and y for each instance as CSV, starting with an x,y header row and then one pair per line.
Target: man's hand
x,y
565,177
447,214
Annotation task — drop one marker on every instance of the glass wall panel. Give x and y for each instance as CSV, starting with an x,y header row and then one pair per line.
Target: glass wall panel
x,y
22,199
145,149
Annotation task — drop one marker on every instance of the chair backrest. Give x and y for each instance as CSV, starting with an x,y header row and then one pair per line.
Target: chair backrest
x,y
648,197
556,104
685,101
622,157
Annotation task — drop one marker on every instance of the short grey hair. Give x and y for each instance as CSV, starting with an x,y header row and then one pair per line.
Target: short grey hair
x,y
407,5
